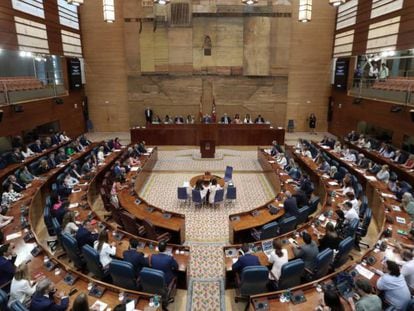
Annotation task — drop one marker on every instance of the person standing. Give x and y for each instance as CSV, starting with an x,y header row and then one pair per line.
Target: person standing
x,y
148,115
312,123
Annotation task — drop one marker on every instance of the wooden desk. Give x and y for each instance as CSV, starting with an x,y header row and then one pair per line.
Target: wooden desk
x,y
222,134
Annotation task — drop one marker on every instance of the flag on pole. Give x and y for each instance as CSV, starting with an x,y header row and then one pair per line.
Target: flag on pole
x,y
213,111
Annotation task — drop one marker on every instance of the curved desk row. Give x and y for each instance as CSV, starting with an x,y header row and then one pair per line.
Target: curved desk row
x,y
380,205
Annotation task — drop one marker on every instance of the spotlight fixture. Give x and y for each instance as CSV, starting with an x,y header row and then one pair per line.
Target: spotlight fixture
x,y
305,11
109,11
250,2
75,2
336,2
161,2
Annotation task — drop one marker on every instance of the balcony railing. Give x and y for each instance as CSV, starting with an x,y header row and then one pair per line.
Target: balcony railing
x,y
393,89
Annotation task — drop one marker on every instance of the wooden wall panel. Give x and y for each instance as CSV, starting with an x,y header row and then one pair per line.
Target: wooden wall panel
x,y
346,116
43,111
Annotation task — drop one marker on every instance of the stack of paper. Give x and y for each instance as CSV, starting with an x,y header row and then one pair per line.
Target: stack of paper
x,y
364,272
99,305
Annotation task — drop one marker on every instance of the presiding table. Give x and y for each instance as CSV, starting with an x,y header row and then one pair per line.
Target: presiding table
x,y
221,134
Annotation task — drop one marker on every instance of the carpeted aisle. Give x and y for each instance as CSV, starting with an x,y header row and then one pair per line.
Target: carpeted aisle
x,y
207,227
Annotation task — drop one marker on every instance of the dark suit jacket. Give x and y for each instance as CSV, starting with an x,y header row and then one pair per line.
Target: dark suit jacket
x,y
223,120
306,186
18,187
43,303
6,270
148,115
55,140
259,120
329,242
165,263
136,258
36,148
245,261
16,157
363,163
301,198
51,163
291,207
85,237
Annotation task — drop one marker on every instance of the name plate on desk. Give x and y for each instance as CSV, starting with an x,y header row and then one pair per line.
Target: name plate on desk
x,y
255,213
166,215
149,209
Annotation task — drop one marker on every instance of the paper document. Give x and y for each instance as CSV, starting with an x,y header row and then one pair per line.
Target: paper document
x,y
333,183
13,236
371,178
364,272
73,205
99,305
134,169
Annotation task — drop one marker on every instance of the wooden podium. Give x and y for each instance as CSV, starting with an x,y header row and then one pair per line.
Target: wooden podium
x,y
207,148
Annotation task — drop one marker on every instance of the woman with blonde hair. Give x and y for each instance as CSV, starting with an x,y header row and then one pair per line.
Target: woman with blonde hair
x,y
21,288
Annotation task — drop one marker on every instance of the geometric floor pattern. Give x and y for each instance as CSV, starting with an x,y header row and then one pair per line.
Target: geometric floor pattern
x,y
206,228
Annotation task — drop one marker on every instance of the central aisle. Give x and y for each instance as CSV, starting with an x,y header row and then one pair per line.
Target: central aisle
x,y
207,228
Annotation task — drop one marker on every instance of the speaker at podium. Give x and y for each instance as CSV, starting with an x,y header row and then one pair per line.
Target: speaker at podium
x,y
207,148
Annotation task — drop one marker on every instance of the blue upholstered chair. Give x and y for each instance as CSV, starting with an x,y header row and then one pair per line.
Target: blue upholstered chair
x,y
362,229
3,300
313,204
303,214
196,197
57,229
323,263
17,306
219,197
182,195
291,274
152,281
287,224
47,217
231,195
93,263
267,231
70,245
228,174
123,274
345,247
253,280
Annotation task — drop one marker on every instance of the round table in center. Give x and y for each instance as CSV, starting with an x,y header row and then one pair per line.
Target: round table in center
x,y
207,179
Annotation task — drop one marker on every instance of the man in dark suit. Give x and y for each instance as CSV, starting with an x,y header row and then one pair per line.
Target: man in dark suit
x,y
136,258
276,149
43,299
84,235
164,262
290,205
353,136
55,139
225,119
148,115
259,119
51,162
7,268
301,198
179,120
17,187
245,260
305,185
37,146
141,147
362,162
399,157
207,119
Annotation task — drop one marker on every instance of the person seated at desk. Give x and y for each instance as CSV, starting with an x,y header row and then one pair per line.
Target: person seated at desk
x,y
37,146
324,167
189,119
212,190
294,170
368,300
306,152
276,148
101,155
7,268
388,153
307,251
43,167
305,184
236,119
334,174
86,235
399,157
44,300
384,174
69,225
299,144
337,147
46,143
281,160
21,288
301,198
225,119
330,239
51,162
200,186
179,120
58,207
393,285
16,156
26,152
168,119
25,176
278,257
87,168
407,269
63,137
17,142
156,119
349,156
207,119
361,141
247,119
407,204
290,205
259,119
164,262
8,197
84,141
136,258
117,186
61,156
117,143
410,162
81,303
362,162
350,197
246,260
70,181
17,187
353,136
118,171
349,212
105,250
